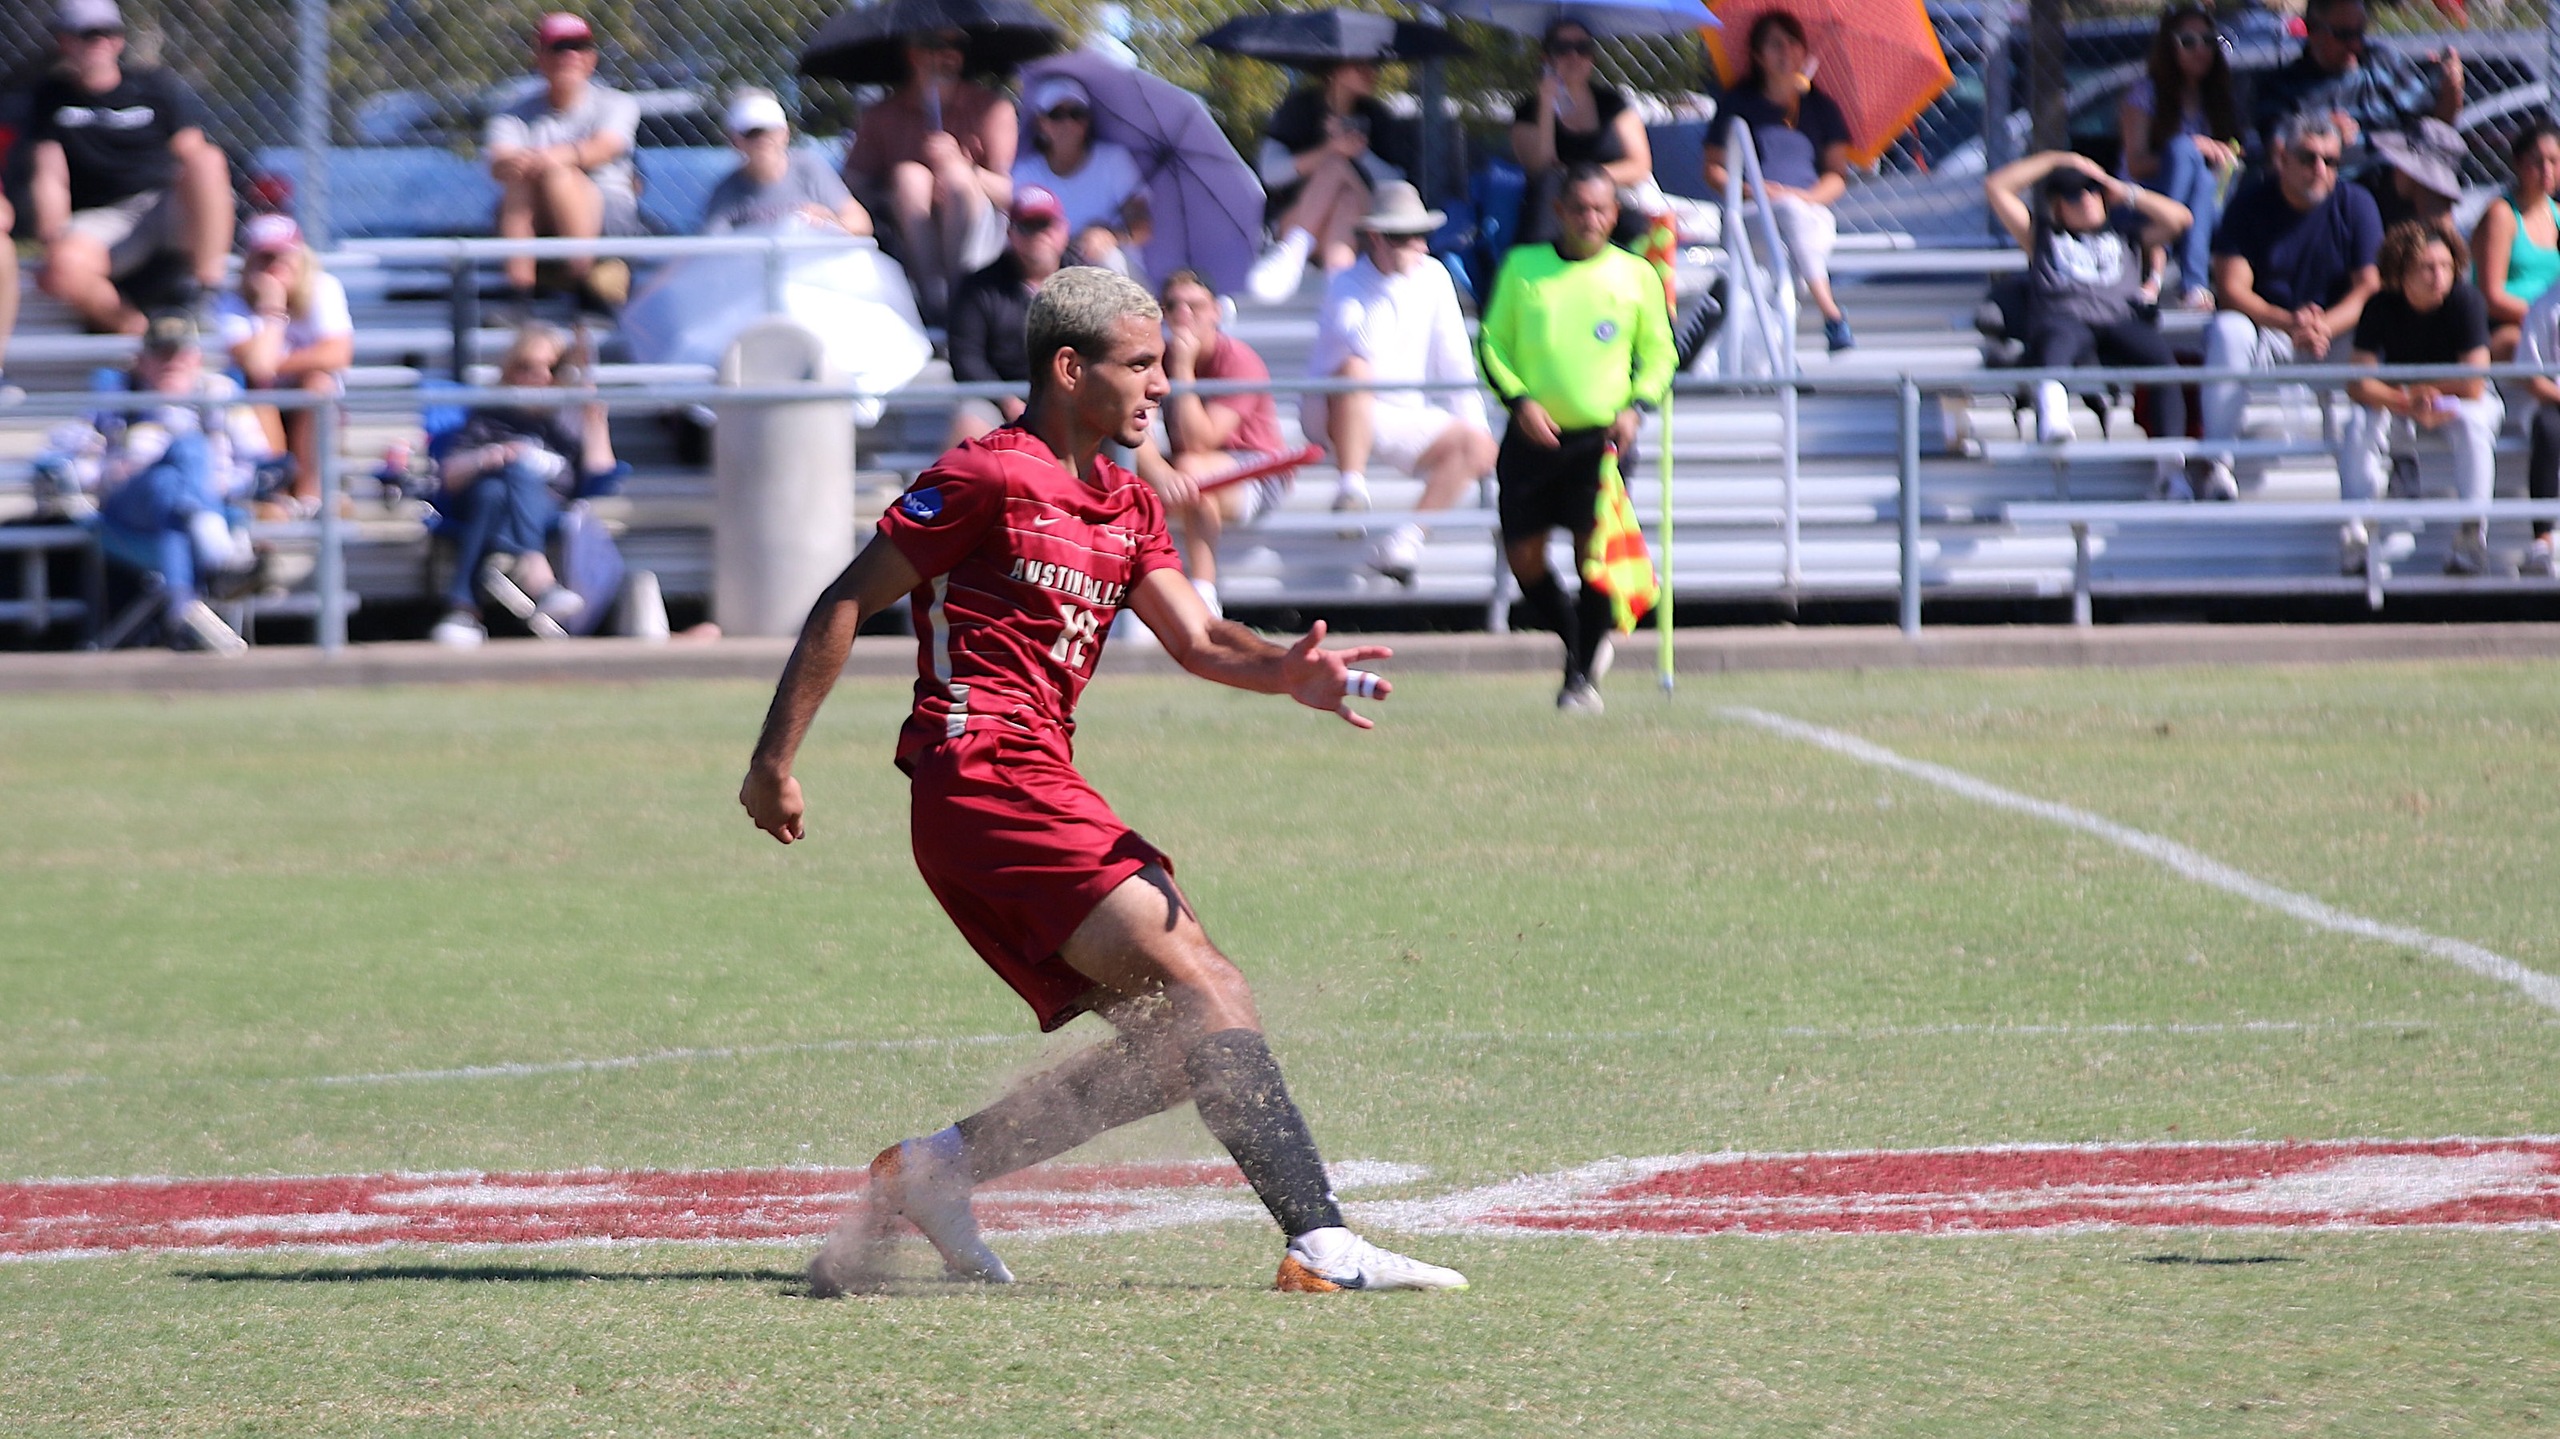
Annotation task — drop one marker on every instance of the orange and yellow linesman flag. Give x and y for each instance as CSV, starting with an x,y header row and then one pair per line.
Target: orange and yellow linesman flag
x,y
1616,561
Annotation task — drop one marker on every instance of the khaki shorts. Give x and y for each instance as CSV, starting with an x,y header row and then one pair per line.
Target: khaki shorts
x,y
1399,433
133,230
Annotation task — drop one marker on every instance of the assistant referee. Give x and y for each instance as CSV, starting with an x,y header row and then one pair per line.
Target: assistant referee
x,y
1576,338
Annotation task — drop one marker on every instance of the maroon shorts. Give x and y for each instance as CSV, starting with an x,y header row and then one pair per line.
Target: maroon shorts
x,y
1019,849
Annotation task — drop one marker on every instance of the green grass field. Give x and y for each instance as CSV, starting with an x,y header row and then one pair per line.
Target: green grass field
x,y
1488,942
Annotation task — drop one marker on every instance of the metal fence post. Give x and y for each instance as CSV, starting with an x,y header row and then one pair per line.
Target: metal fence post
x,y
1789,439
1910,516
311,118
333,532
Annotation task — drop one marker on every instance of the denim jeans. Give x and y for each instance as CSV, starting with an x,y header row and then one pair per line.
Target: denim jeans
x,y
507,511
2187,179
156,509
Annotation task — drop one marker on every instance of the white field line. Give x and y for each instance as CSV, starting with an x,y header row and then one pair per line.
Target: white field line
x,y
2541,988
1419,1036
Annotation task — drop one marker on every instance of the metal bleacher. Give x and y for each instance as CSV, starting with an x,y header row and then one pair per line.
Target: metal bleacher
x,y
1914,313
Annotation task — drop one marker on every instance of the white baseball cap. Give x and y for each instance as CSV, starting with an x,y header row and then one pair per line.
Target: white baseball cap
x,y
756,110
1055,90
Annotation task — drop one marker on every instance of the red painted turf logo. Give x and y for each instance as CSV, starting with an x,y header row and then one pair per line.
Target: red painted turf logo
x,y
2343,1184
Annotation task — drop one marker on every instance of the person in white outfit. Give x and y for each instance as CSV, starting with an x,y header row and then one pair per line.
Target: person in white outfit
x,y
2425,315
2539,346
1096,181
1393,315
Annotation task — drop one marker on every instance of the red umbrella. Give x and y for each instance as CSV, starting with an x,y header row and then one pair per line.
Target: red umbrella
x,y
1877,59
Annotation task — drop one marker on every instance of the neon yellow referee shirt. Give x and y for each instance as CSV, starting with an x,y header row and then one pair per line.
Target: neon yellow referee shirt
x,y
1584,338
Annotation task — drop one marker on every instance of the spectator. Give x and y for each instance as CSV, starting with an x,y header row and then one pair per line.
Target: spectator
x,y
8,294
2364,88
287,328
172,480
2424,315
121,173
1327,148
2419,178
1572,119
1096,181
990,307
774,184
2293,264
936,157
2084,235
562,160
1803,143
1576,337
2539,346
504,478
2515,252
1393,317
2181,133
1213,435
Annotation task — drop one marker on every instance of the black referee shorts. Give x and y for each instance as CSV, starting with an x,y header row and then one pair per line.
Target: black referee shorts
x,y
1544,489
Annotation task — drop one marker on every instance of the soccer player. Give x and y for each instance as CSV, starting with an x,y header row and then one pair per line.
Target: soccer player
x,y
1576,336
1018,548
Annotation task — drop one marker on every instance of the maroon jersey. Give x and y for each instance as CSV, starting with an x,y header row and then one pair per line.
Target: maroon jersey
x,y
1025,565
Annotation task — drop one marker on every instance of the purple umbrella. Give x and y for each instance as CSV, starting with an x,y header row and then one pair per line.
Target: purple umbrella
x,y
1206,201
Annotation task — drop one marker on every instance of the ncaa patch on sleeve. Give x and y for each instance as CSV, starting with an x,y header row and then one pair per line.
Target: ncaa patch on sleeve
x,y
922,504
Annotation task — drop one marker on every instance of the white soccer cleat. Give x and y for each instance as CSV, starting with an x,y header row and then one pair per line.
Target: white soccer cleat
x,y
1580,697
1326,1261
909,1182
1279,271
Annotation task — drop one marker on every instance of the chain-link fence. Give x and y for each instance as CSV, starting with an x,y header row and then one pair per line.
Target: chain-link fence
x,y
404,86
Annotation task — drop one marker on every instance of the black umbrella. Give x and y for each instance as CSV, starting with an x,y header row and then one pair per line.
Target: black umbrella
x,y
867,44
1313,39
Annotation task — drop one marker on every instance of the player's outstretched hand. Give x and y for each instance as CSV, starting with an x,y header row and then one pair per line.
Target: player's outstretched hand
x,y
1324,679
773,802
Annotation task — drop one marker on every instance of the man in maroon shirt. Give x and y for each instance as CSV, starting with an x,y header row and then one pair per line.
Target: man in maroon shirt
x,y
1017,549
1215,435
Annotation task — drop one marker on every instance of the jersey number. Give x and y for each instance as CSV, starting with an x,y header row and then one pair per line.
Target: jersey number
x,y
1077,627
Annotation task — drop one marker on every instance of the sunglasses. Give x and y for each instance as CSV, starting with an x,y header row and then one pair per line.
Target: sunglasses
x,y
1032,226
2201,40
570,47
2340,33
1075,113
2313,159
939,42
1562,48
92,37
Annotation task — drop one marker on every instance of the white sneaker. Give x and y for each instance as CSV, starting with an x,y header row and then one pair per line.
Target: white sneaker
x,y
561,603
909,1181
2221,487
1351,492
2352,544
1399,554
2537,559
1327,1261
1579,697
1277,274
460,630
2053,414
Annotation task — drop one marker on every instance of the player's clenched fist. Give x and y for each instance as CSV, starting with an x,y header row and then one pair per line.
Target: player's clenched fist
x,y
773,802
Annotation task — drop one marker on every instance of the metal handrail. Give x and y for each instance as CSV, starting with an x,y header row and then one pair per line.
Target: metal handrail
x,y
1906,386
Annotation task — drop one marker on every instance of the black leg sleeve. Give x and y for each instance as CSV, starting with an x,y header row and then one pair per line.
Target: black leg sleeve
x,y
1104,1087
1237,1086
1592,614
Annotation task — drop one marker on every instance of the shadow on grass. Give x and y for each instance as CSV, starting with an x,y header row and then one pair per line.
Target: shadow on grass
x,y
794,1282
2217,1261
488,1274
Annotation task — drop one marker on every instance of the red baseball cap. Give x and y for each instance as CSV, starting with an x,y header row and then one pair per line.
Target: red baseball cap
x,y
560,25
1034,203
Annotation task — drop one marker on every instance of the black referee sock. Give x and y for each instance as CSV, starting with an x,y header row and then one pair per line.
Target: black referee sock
x,y
1547,607
1593,619
1237,1086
